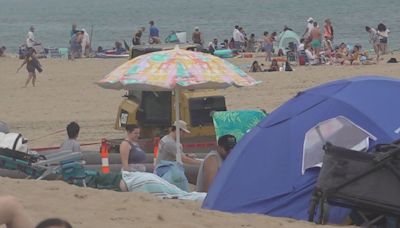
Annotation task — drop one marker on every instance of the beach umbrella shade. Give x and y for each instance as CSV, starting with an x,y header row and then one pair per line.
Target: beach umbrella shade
x,y
176,70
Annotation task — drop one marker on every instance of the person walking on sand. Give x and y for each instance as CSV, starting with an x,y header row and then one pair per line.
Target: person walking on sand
x,y
268,46
85,43
32,64
30,38
154,36
383,33
328,32
373,39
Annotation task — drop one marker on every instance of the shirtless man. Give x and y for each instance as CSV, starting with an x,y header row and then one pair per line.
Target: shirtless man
x,y
315,36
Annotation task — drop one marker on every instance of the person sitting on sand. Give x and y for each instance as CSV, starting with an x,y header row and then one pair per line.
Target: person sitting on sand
x,y
213,161
138,36
118,47
213,46
274,66
355,55
32,64
255,67
311,58
132,156
167,149
71,144
12,214
167,165
341,55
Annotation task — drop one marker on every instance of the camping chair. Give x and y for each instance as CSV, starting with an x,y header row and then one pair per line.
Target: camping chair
x,y
53,53
64,53
68,164
367,183
65,163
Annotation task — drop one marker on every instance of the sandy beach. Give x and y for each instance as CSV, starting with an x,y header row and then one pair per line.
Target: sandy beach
x,y
66,91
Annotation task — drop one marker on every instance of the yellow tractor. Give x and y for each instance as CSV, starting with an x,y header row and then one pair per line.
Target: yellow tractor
x,y
154,112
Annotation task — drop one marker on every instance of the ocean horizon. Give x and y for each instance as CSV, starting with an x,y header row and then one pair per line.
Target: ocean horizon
x,y
110,21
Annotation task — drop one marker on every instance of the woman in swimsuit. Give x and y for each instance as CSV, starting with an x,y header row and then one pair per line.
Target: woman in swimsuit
x,y
32,64
132,156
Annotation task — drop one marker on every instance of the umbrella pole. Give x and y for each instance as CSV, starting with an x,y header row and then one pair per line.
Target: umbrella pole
x,y
178,132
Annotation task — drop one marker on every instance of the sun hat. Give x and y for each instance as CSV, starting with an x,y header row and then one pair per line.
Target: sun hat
x,y
196,28
182,125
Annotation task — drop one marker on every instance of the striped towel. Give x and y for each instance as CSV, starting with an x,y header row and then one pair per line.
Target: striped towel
x,y
151,183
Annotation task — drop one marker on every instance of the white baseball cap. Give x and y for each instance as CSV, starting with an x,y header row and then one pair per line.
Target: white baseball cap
x,y
310,19
182,125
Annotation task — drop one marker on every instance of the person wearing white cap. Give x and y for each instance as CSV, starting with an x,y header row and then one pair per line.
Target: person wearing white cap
x,y
310,26
168,166
197,37
30,38
167,147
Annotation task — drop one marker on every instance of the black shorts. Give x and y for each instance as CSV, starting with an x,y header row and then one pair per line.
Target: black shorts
x,y
383,40
30,69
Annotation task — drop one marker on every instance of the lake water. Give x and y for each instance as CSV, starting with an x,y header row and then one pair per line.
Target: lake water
x,y
118,19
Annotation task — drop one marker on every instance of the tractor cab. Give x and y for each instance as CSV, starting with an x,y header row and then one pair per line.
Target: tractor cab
x,y
154,112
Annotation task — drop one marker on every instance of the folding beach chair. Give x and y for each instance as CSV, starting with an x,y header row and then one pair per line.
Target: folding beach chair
x,y
68,164
367,183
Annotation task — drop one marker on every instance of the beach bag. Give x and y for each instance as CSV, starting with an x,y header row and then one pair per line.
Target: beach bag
x,y
98,180
173,172
13,141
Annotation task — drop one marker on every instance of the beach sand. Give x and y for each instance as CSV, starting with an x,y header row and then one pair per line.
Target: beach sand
x,y
66,91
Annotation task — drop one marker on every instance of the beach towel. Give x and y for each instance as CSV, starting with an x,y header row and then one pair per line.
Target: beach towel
x,y
151,183
236,123
173,172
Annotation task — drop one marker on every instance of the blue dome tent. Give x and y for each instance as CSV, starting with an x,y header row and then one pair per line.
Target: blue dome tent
x,y
263,174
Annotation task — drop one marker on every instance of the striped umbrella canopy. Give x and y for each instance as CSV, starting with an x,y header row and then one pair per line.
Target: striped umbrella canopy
x,y
176,69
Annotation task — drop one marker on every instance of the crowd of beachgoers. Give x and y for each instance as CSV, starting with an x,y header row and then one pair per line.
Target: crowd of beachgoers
x,y
318,43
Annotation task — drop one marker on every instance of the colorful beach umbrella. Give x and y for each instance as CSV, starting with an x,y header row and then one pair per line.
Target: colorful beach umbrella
x,y
176,70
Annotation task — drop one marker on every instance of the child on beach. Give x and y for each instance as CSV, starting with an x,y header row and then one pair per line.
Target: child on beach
x,y
255,67
32,64
71,144
274,66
